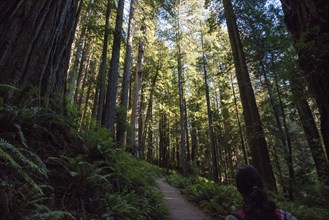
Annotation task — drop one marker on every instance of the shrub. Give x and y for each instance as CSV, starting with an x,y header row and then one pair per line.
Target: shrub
x,y
49,170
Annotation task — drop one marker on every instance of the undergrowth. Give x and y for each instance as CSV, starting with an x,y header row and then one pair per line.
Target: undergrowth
x,y
222,200
49,170
218,200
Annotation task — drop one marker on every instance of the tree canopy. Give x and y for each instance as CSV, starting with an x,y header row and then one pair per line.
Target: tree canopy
x,y
200,87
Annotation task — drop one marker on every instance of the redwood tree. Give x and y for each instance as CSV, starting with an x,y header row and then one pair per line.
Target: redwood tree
x,y
214,161
122,124
112,83
35,42
102,69
307,21
255,133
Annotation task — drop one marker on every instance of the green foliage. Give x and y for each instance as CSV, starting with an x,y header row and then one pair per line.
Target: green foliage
x,y
132,172
97,137
311,202
51,171
303,212
217,199
20,186
54,215
181,182
134,205
221,200
14,160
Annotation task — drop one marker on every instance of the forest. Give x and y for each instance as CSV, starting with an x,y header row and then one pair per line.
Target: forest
x,y
99,98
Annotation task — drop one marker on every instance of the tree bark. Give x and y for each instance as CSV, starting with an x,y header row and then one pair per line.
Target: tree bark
x,y
80,73
255,133
134,141
75,68
102,69
149,108
227,133
112,84
284,135
163,140
35,41
194,140
209,113
81,90
95,103
150,148
188,153
310,129
122,122
183,150
307,21
292,179
88,94
79,44
243,146
140,114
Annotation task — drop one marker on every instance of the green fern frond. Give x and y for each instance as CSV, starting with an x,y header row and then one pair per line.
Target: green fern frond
x,y
38,162
40,168
11,163
7,87
55,215
21,135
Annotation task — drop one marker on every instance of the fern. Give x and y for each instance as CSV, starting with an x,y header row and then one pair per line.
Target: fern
x,y
11,163
21,135
39,168
54,215
7,87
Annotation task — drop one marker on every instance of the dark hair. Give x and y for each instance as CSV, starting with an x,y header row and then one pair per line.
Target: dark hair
x,y
256,204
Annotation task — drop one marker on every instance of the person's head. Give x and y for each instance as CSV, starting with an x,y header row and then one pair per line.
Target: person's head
x,y
247,180
250,185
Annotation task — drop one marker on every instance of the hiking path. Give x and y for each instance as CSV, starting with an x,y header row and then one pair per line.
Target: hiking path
x,y
180,208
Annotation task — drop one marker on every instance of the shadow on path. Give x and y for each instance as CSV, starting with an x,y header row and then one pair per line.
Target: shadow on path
x,y
180,208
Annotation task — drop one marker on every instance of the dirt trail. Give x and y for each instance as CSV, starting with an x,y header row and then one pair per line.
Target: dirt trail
x,y
180,208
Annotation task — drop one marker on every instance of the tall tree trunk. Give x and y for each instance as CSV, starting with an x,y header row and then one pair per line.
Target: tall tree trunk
x,y
82,89
283,137
79,44
88,94
167,143
188,154
292,179
177,151
243,146
149,108
183,151
162,140
307,21
255,133
35,42
310,129
95,103
227,134
218,136
102,69
75,68
112,84
122,121
194,140
140,114
80,72
150,148
209,113
134,141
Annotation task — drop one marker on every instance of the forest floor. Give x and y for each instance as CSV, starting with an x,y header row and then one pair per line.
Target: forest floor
x,y
180,208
